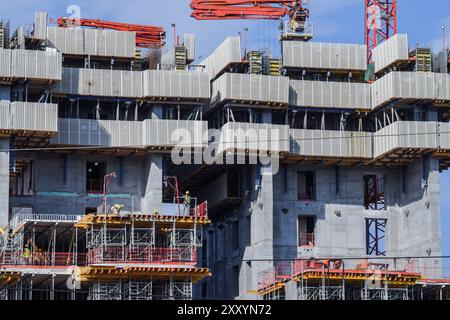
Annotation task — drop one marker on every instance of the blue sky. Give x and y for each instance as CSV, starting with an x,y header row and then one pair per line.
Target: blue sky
x,y
334,21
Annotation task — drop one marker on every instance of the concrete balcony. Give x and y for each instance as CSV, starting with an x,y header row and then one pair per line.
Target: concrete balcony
x,y
28,117
444,135
322,94
331,144
404,141
93,42
324,56
253,138
30,64
227,54
104,133
390,52
153,84
96,82
410,86
131,134
173,133
176,84
250,89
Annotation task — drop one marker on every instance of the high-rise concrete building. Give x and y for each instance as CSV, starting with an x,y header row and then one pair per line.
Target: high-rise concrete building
x,y
318,156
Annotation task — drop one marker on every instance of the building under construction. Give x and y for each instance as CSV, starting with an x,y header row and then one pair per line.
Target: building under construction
x,y
348,207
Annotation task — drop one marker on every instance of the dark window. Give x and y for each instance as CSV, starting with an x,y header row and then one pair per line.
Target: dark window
x,y
306,229
90,210
235,282
204,290
95,172
233,184
204,253
305,182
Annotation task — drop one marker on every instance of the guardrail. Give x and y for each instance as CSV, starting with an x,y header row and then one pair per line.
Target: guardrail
x,y
146,255
18,219
43,259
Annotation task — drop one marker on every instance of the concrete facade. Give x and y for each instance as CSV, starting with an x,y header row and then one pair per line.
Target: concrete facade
x,y
269,217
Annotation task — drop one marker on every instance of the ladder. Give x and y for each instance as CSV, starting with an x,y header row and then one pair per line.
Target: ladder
x,y
7,249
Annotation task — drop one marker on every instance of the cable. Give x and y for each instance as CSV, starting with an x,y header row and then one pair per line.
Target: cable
x,y
235,141
383,258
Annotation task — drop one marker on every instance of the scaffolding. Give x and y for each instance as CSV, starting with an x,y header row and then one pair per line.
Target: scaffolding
x,y
143,257
102,257
329,280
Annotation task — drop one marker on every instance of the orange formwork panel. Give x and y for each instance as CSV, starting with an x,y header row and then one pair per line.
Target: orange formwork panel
x,y
114,273
140,220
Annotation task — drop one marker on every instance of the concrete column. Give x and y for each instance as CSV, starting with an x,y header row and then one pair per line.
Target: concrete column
x,y
291,290
262,225
157,112
153,178
4,182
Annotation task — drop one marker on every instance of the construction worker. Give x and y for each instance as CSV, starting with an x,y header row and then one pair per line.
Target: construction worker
x,y
187,203
115,209
39,256
364,264
27,253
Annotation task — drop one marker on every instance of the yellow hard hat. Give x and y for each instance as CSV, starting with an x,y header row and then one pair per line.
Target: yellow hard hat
x,y
187,192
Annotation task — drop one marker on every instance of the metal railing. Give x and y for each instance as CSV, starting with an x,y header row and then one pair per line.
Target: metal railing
x,y
306,239
146,255
43,259
17,219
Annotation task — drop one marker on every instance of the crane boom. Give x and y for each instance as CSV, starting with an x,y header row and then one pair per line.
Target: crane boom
x,y
247,9
146,36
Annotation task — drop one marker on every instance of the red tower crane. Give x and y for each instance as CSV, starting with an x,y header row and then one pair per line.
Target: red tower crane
x,y
381,23
146,36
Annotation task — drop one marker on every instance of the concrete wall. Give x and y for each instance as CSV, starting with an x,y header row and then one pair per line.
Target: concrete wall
x,y
274,209
52,195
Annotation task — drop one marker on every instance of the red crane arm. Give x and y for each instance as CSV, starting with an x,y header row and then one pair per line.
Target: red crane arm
x,y
244,9
146,36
